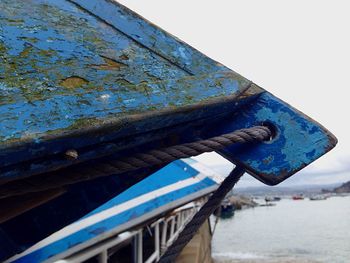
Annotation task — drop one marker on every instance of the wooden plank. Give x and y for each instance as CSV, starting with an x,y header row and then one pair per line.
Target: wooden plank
x,y
15,206
80,73
297,140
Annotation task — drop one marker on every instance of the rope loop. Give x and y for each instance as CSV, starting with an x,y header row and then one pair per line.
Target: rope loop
x,y
88,171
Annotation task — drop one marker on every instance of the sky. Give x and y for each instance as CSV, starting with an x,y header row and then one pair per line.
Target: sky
x,y
298,50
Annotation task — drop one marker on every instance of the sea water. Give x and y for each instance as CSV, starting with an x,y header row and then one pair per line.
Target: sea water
x,y
291,231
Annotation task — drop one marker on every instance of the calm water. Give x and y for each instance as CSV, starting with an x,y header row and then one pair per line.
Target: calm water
x,y
291,231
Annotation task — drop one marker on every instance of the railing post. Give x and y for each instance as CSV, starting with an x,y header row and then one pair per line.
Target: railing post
x,y
164,234
103,257
179,219
157,241
172,226
138,247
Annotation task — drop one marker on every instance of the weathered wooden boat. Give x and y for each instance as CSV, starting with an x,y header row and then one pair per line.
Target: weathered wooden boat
x,y
176,184
84,84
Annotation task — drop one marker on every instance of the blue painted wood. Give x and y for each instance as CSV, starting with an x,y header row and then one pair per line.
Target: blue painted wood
x,y
32,226
168,188
66,72
84,73
298,139
78,74
161,109
151,36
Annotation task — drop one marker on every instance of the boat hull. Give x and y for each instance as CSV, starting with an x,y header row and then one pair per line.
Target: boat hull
x,y
176,184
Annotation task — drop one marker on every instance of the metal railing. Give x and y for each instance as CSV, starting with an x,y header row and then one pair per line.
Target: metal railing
x,y
164,232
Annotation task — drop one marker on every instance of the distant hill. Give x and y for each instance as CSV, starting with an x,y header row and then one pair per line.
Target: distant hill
x,y
281,190
344,188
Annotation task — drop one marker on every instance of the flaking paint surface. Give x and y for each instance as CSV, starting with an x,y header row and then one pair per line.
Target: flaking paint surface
x,y
62,68
298,142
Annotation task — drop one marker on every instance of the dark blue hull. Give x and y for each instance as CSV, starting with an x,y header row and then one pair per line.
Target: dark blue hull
x,y
23,231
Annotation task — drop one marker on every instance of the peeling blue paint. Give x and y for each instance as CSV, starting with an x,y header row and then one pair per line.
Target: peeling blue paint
x,y
77,67
299,140
85,74
120,76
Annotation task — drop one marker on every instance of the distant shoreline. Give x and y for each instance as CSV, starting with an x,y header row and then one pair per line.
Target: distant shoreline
x,y
277,260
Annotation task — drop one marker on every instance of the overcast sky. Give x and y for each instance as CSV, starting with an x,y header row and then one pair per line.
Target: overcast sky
x,y
298,50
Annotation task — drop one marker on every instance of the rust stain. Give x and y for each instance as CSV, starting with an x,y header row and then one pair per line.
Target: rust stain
x,y
110,64
268,160
124,57
73,82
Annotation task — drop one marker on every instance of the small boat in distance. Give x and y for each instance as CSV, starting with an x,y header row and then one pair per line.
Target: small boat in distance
x,y
298,197
318,197
226,209
272,198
